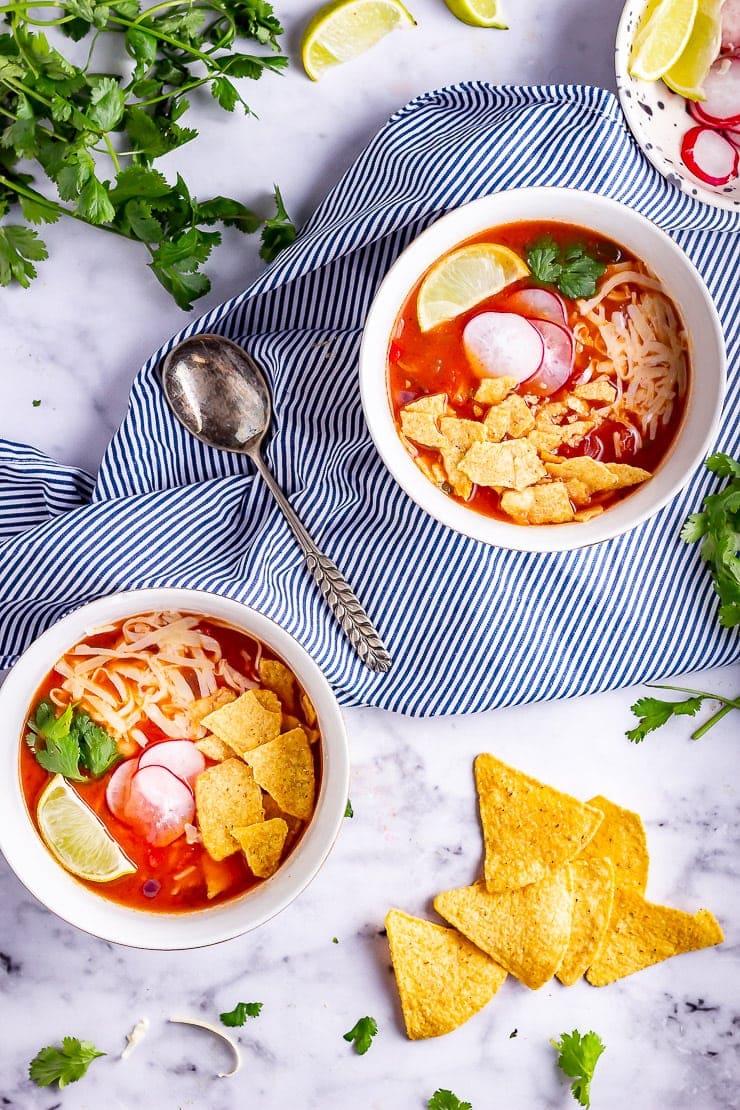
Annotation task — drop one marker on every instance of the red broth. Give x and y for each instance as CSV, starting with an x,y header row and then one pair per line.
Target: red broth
x,y
179,869
421,364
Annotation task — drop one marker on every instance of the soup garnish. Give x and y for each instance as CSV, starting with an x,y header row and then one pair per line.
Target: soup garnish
x,y
172,758
550,399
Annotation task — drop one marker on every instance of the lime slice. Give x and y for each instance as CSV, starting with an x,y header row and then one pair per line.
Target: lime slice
x,y
661,38
77,836
343,29
686,76
478,13
464,278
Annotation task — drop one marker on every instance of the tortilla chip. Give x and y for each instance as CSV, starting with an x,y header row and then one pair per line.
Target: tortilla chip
x,y
621,838
576,404
262,845
309,713
526,930
253,719
435,403
594,475
284,768
492,391
511,465
226,795
589,514
214,749
600,389
545,503
278,678
642,933
627,475
442,978
461,484
461,433
201,707
421,427
220,875
512,417
272,810
528,828
593,897
546,442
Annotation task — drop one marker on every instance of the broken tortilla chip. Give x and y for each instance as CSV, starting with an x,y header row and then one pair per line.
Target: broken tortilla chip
x,y
309,712
545,503
262,845
278,678
253,719
526,930
528,828
442,978
284,768
627,475
201,707
621,838
215,749
492,391
226,795
593,896
513,464
642,933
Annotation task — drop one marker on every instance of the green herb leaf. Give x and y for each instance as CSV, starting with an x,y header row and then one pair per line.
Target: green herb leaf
x,y
571,268
362,1034
278,232
98,749
241,1012
578,1057
61,757
654,712
349,812
443,1099
62,1065
543,259
718,527
106,104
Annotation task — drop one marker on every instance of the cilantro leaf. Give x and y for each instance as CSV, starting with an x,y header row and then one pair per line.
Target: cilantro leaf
x,y
98,749
571,268
349,812
240,1013
654,712
20,247
543,259
61,757
106,104
578,1056
443,1099
278,232
717,525
361,1034
62,1065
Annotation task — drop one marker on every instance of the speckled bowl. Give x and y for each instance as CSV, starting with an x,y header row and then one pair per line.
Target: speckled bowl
x,y
658,118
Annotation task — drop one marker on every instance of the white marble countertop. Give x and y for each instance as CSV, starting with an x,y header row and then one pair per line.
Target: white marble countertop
x,y
74,341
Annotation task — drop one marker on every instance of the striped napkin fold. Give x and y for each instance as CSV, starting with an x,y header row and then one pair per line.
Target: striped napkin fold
x,y
469,627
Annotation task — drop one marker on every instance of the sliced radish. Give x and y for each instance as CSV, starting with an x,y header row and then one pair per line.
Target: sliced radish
x,y
503,345
179,756
557,365
119,787
709,155
159,805
730,22
538,304
696,113
721,104
733,136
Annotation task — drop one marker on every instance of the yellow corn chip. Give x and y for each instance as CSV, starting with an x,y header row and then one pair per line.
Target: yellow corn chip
x,y
252,719
492,391
526,930
528,828
642,933
308,710
226,795
278,678
214,748
442,978
545,503
593,474
435,403
272,810
621,838
600,389
627,475
284,768
593,896
262,845
512,464
422,428
201,707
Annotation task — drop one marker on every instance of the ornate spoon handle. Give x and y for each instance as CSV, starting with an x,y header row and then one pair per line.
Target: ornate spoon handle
x,y
338,594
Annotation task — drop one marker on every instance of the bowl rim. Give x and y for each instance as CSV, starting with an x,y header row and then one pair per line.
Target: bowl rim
x,y
69,899
702,414
678,175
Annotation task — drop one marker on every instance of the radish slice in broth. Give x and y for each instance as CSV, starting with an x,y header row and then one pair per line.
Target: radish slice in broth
x,y
538,304
503,344
557,365
119,787
709,155
159,806
179,756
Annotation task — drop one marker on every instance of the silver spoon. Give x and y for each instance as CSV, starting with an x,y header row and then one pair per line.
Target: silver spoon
x,y
218,392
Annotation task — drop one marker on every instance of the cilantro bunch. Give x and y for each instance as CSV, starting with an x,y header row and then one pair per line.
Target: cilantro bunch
x,y
572,269
95,136
71,744
717,526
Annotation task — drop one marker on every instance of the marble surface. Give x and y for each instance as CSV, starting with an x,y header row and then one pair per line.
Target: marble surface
x,y
73,342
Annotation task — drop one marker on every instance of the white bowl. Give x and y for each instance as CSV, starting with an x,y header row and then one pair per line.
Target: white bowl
x,y
659,120
74,902
681,281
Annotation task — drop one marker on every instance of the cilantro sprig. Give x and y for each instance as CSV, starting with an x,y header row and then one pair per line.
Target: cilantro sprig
x,y
240,1013
62,1065
361,1034
95,136
572,269
578,1055
443,1099
717,526
70,744
653,713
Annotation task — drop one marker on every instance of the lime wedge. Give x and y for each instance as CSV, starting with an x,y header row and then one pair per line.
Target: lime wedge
x,y
77,837
463,279
661,38
686,76
478,13
345,28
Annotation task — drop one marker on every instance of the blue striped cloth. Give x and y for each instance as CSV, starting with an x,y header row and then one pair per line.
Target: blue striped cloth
x,y
469,627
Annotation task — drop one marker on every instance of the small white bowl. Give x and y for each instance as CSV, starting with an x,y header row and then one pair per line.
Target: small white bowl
x,y
681,281
75,903
658,119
